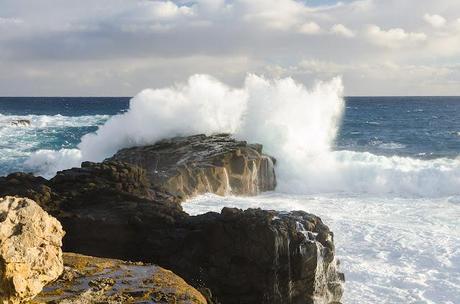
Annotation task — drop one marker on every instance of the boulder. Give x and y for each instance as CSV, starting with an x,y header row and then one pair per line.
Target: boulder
x,y
188,166
30,249
90,280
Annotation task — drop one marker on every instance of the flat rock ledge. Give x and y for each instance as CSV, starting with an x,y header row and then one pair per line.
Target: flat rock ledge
x,y
30,249
88,280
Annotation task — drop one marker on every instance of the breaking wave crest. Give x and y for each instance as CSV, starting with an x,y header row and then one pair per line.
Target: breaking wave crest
x,y
296,124
49,121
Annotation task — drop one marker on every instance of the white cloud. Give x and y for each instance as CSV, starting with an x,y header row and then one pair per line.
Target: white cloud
x,y
383,77
342,30
309,28
436,21
167,9
393,38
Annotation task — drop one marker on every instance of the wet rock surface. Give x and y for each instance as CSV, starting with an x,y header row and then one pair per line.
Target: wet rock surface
x,y
258,256
120,210
188,166
99,280
30,249
20,123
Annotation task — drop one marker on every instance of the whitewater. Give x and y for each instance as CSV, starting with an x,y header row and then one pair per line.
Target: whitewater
x,y
394,211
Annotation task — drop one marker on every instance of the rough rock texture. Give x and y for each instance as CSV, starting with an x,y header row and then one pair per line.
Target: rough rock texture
x,y
187,166
257,256
30,186
119,210
253,256
98,280
20,122
30,249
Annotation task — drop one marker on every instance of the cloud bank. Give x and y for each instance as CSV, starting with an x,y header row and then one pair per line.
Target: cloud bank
x,y
118,47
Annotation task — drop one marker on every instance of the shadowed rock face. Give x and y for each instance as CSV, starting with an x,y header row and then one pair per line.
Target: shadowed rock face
x,y
188,166
251,256
30,186
98,280
258,256
119,210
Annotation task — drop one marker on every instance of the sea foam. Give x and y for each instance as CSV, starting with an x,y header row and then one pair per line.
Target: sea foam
x,y
296,124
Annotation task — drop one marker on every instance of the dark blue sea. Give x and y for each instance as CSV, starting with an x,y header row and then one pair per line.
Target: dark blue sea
x,y
418,127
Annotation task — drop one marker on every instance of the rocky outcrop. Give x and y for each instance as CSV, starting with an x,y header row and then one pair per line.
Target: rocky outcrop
x,y
187,166
20,123
250,256
30,249
99,280
258,256
120,210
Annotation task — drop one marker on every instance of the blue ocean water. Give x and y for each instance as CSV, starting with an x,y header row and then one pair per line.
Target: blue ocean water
x,y
421,127
418,127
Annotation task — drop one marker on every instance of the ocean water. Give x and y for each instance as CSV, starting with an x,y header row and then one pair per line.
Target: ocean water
x,y
416,127
56,123
383,173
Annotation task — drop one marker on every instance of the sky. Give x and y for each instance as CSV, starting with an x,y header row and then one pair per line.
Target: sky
x,y
119,47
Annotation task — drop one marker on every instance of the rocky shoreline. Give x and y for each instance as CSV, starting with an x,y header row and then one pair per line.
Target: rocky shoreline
x,y
129,207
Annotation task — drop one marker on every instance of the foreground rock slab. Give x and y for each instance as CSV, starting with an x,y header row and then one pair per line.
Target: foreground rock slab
x,y
30,249
99,280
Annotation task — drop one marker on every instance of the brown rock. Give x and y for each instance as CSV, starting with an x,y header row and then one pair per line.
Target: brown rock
x,y
98,280
188,166
30,249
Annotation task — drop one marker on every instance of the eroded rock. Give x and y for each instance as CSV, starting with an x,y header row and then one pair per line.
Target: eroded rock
x,y
188,166
30,249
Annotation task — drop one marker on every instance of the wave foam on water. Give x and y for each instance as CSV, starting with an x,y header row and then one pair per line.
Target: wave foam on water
x,y
297,125
34,131
50,121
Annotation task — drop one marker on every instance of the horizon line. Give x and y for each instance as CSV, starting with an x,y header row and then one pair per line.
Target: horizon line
x,y
348,96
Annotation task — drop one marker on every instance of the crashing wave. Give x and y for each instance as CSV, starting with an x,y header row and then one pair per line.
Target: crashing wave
x,y
296,124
